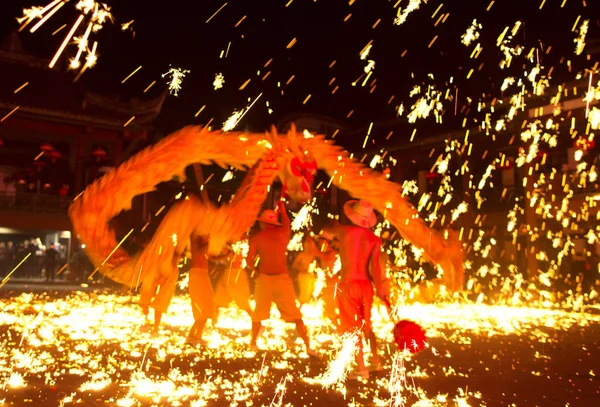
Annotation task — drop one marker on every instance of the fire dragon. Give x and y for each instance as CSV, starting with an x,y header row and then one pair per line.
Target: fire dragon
x,y
294,158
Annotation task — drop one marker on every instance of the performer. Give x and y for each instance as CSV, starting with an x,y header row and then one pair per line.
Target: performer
x,y
301,266
328,256
158,295
200,289
233,284
361,269
273,283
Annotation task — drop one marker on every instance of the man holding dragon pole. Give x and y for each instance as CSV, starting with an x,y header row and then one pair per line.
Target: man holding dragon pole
x,y
274,283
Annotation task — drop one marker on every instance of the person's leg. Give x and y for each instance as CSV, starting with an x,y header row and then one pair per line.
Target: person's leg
x,y
147,292
349,303
263,291
163,297
303,333
283,296
375,359
256,327
202,299
367,329
157,318
328,296
196,331
360,357
239,291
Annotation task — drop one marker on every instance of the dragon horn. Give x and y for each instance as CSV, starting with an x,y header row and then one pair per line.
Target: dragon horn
x,y
294,141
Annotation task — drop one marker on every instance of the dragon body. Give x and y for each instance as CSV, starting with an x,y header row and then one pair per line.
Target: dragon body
x,y
293,158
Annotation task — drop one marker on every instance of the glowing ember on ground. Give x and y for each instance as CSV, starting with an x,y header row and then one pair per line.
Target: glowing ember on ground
x,y
88,346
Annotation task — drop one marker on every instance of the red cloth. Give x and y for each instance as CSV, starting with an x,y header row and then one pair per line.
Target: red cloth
x,y
355,300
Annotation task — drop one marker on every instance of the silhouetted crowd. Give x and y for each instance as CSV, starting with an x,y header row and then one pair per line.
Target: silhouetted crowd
x,y
36,260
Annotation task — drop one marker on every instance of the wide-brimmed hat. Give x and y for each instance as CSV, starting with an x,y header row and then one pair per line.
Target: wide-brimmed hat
x,y
360,213
270,217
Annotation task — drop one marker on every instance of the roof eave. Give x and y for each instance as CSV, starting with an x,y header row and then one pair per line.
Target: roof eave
x,y
71,118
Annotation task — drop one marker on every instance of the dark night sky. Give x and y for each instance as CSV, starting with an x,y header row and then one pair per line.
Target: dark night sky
x,y
176,33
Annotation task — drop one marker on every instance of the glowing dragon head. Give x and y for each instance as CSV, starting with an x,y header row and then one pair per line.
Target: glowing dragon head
x,y
297,167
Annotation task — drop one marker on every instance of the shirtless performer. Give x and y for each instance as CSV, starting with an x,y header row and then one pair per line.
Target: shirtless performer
x,y
200,288
159,296
273,283
361,269
327,257
233,284
301,265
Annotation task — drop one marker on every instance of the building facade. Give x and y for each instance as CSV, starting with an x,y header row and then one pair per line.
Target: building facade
x,y
56,137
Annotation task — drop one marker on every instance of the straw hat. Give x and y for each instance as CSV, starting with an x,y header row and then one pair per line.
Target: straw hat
x,y
360,213
270,217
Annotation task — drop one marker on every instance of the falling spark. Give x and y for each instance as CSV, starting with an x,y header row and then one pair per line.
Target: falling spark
x,y
370,63
219,81
280,391
9,113
92,14
216,12
397,381
131,74
339,367
5,279
66,41
233,120
472,33
403,14
580,40
126,26
47,16
176,77
236,116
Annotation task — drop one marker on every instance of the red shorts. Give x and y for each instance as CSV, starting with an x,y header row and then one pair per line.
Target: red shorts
x,y
355,300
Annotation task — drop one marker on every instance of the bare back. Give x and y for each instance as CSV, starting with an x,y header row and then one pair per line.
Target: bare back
x,y
359,247
270,245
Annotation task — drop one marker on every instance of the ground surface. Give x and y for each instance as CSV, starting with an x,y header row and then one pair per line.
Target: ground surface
x,y
86,348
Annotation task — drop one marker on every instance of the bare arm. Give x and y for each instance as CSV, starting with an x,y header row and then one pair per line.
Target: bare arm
x,y
377,274
285,219
251,254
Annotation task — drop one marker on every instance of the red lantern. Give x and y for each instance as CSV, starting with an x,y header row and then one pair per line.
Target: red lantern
x,y
46,147
432,175
584,144
39,164
99,152
410,335
54,154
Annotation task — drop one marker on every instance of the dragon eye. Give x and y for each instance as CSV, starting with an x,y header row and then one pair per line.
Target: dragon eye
x,y
296,167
